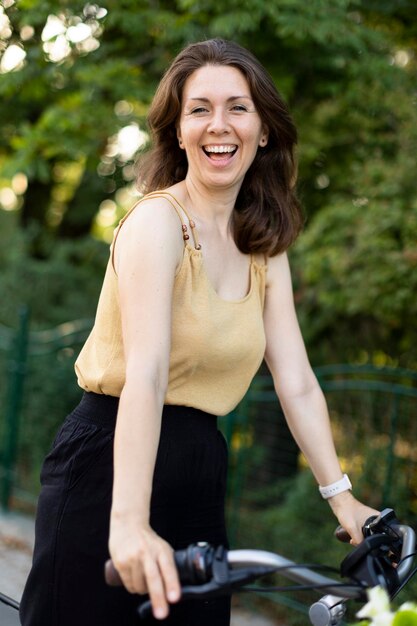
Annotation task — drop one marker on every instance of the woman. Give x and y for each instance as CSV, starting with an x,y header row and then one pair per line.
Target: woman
x,y
196,293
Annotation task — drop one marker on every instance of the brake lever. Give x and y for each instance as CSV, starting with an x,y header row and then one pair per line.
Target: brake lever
x,y
386,523
224,581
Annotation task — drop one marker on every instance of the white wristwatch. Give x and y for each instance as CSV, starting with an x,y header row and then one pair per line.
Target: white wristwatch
x,y
339,486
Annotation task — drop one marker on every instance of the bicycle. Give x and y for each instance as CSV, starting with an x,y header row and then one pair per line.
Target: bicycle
x,y
385,558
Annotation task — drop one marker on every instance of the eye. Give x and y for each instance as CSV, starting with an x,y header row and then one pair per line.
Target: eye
x,y
239,108
198,110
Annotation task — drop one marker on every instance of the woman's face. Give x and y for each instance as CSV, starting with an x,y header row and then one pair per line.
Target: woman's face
x,y
219,127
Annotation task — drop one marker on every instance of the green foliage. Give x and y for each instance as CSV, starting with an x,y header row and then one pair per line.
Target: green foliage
x,y
347,68
357,259
65,287
50,393
65,109
62,288
405,618
358,270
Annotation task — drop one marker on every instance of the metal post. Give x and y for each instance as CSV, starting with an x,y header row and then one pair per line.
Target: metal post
x,y
17,371
386,495
234,487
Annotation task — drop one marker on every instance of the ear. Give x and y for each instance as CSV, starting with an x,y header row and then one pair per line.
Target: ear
x,y
180,142
264,137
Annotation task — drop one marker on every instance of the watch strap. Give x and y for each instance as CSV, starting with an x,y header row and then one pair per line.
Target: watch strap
x,y
339,486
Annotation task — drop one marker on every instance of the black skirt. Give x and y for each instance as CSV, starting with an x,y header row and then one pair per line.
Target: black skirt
x,y
66,585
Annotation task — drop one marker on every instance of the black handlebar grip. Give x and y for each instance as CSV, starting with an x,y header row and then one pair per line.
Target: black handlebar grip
x,y
113,579
111,575
342,535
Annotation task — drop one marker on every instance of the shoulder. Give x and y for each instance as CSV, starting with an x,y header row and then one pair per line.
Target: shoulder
x,y
279,295
278,270
152,227
155,211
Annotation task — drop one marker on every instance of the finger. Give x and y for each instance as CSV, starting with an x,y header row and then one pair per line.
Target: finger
x,y
127,581
133,579
356,536
138,581
156,590
169,576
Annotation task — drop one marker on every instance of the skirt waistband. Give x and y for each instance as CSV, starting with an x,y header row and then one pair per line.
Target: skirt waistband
x,y
102,410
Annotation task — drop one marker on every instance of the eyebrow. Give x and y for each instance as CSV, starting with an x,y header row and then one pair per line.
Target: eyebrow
x,y
228,99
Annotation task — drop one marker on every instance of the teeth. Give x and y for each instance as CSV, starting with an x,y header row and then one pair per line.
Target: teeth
x,y
219,148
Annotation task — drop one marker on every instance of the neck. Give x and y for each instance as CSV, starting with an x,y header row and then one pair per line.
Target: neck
x,y
210,205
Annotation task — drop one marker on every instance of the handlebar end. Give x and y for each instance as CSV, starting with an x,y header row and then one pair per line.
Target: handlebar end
x,y
327,611
111,575
342,535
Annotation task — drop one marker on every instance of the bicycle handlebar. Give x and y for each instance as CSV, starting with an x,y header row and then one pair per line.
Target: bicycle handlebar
x,y
384,557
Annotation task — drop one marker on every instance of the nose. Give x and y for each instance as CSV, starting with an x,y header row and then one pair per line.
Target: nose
x,y
218,122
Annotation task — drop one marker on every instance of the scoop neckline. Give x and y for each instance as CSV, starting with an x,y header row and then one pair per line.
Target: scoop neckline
x,y
210,284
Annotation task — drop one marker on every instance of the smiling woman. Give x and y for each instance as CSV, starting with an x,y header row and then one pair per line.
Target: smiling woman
x,y
266,216
197,292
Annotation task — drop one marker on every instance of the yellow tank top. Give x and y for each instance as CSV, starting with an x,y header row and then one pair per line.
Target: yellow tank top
x,y
217,345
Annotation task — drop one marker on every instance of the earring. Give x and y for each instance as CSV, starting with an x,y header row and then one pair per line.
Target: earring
x,y
180,143
263,141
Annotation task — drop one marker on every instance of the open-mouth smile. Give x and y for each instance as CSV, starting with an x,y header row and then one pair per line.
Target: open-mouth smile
x,y
218,152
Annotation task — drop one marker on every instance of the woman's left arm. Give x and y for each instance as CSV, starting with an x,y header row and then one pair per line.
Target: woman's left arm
x,y
300,395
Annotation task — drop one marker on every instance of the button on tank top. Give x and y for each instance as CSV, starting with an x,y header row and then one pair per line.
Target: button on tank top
x,y
217,345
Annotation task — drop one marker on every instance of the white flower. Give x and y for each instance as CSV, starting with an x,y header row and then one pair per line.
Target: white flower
x,y
383,619
377,608
377,611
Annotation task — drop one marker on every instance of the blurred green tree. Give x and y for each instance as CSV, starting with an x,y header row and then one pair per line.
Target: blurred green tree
x,y
74,89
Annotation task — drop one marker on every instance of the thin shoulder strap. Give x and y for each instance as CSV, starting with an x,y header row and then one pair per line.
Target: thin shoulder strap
x,y
176,206
117,230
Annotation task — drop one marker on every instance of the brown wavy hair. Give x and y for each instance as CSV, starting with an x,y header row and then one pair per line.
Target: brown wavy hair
x,y
267,216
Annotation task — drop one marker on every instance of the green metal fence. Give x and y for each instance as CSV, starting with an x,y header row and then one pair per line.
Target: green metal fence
x,y
22,349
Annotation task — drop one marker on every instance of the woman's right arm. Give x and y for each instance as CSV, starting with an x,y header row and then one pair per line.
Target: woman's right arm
x,y
149,249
